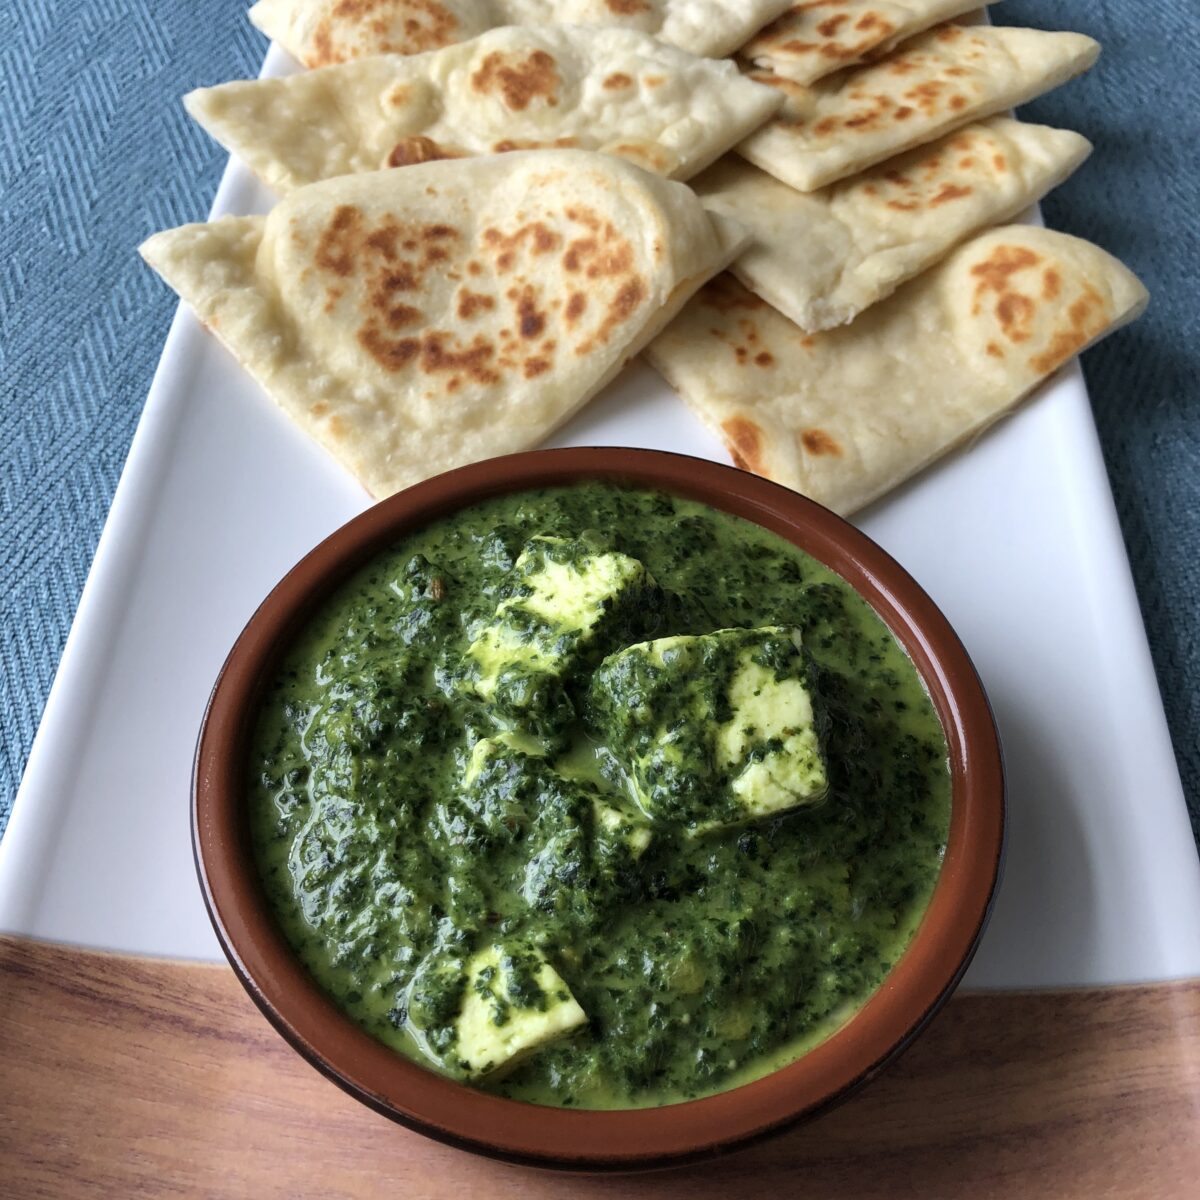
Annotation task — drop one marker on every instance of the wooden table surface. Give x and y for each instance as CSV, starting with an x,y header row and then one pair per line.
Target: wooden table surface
x,y
126,1077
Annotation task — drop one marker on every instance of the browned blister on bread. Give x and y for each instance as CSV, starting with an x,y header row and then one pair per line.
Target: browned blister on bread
x,y
823,257
412,321
845,415
319,33
818,37
615,91
937,82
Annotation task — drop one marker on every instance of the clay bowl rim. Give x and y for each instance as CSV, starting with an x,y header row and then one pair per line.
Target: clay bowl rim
x,y
631,1139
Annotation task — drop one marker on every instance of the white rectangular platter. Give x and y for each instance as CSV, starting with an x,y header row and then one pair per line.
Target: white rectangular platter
x,y
1016,538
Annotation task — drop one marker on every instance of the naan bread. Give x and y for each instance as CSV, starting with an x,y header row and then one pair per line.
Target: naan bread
x,y
822,257
412,321
937,82
846,415
816,38
611,90
320,32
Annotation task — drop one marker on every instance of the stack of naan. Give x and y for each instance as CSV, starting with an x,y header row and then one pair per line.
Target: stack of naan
x,y
482,218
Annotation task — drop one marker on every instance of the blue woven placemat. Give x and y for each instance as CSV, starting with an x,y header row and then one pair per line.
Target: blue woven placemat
x,y
95,153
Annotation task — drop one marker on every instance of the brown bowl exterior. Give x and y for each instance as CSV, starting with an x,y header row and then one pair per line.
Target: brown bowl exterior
x,y
637,1138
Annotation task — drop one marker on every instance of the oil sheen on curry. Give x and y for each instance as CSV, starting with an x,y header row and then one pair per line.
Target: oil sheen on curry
x,y
598,797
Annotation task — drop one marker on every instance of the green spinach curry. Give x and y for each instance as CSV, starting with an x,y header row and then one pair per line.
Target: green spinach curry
x,y
598,797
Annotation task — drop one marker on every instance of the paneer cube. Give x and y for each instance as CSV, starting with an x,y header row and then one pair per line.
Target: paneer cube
x,y
567,605
712,730
514,1003
623,829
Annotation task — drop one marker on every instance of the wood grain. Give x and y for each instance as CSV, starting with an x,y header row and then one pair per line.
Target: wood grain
x,y
129,1077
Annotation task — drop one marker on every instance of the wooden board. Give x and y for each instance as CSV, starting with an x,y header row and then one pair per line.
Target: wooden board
x,y
131,1077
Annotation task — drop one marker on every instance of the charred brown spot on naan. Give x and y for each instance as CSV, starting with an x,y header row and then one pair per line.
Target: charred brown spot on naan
x,y
995,273
520,82
617,82
874,98
818,442
806,32
393,259
509,144
621,308
724,293
531,321
627,8
574,308
391,311
353,28
949,192
440,353
743,342
875,21
410,151
927,96
744,441
792,46
1086,318
470,303
645,154
337,244
601,253
789,87
1015,311
539,238
829,27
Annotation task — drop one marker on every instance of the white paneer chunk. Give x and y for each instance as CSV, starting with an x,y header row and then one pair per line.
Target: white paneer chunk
x,y
636,835
769,710
515,1003
712,730
565,597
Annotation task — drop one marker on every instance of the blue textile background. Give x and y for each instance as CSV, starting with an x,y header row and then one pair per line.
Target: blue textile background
x,y
96,153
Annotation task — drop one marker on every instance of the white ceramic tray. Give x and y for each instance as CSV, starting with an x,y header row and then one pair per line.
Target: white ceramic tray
x,y
1016,539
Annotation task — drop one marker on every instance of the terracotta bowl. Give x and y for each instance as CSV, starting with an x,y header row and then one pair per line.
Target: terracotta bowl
x,y
576,1140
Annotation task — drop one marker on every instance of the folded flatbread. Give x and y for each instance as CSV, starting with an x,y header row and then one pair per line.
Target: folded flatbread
x,y
320,32
822,257
612,90
936,82
845,416
412,321
816,38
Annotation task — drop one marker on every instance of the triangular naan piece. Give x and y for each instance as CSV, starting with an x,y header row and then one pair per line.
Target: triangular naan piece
x,y
611,90
937,82
814,39
320,32
845,416
412,321
823,257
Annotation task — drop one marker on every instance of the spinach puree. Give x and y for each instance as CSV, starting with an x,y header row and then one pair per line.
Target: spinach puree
x,y
534,822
